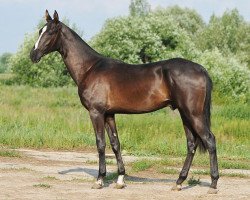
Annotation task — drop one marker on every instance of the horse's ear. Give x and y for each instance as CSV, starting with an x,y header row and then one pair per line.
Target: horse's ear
x,y
56,17
47,16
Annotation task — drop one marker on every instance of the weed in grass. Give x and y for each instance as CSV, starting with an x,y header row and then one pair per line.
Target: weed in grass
x,y
22,169
9,153
111,177
142,165
192,181
52,178
225,164
91,162
169,171
110,162
201,172
42,185
239,175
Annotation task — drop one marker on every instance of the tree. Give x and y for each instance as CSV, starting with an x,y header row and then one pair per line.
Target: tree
x,y
172,32
139,8
159,35
50,71
4,62
230,33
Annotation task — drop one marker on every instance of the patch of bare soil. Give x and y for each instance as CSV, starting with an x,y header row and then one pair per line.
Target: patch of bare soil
x,y
70,175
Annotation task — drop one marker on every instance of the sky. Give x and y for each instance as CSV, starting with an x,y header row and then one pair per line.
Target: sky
x,y
19,17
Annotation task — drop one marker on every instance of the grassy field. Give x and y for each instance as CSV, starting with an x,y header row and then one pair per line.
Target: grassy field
x,y
54,118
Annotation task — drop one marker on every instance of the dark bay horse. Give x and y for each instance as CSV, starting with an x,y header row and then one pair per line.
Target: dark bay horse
x,y
107,87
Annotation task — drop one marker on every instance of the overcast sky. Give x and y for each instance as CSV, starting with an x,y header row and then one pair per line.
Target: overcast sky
x,y
21,16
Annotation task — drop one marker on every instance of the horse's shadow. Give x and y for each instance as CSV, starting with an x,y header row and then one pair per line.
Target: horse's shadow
x,y
111,176
134,179
91,172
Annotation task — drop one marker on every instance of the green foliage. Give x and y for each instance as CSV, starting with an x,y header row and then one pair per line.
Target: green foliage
x,y
8,153
222,46
139,8
50,71
156,36
229,75
4,62
229,33
193,181
142,165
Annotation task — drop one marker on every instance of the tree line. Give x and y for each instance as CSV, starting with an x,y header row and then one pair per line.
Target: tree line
x,y
222,46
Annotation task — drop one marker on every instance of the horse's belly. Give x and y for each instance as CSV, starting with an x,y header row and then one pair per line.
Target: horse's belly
x,y
140,101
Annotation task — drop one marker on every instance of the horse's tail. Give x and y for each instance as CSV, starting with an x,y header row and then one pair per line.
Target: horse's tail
x,y
207,112
207,104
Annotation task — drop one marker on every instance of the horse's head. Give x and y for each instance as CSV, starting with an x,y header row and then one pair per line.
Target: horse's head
x,y
48,38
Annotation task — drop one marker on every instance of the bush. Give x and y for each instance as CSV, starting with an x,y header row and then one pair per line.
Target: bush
x,y
229,75
4,62
155,36
230,33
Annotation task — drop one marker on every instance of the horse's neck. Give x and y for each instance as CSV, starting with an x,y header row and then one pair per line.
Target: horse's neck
x,y
76,54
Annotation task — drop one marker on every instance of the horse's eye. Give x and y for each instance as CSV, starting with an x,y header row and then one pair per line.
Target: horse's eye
x,y
40,31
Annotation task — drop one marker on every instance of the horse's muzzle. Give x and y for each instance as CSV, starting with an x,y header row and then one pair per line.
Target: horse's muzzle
x,y
35,55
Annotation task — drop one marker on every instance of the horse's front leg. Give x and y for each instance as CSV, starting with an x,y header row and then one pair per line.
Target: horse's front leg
x,y
114,141
97,119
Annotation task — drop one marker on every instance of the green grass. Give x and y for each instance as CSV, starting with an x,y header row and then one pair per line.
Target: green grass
x,y
168,170
9,153
238,175
142,165
54,118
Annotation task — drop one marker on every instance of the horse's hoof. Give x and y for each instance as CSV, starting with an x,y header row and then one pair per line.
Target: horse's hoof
x,y
119,186
97,186
176,188
212,191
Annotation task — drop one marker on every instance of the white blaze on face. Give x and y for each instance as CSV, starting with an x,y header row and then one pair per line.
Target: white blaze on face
x,y
37,42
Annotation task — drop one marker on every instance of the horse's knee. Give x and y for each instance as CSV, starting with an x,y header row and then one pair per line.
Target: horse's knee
x,y
101,145
191,147
101,149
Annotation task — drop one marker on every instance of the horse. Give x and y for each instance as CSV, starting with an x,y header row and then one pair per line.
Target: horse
x,y
107,87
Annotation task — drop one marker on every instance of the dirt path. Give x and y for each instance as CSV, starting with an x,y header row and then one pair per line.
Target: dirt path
x,y
69,175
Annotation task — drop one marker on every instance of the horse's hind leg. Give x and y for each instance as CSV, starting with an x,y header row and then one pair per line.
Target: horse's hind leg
x,y
202,130
114,141
211,146
191,148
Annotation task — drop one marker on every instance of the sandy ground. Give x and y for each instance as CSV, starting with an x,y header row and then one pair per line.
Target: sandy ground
x,y
70,175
